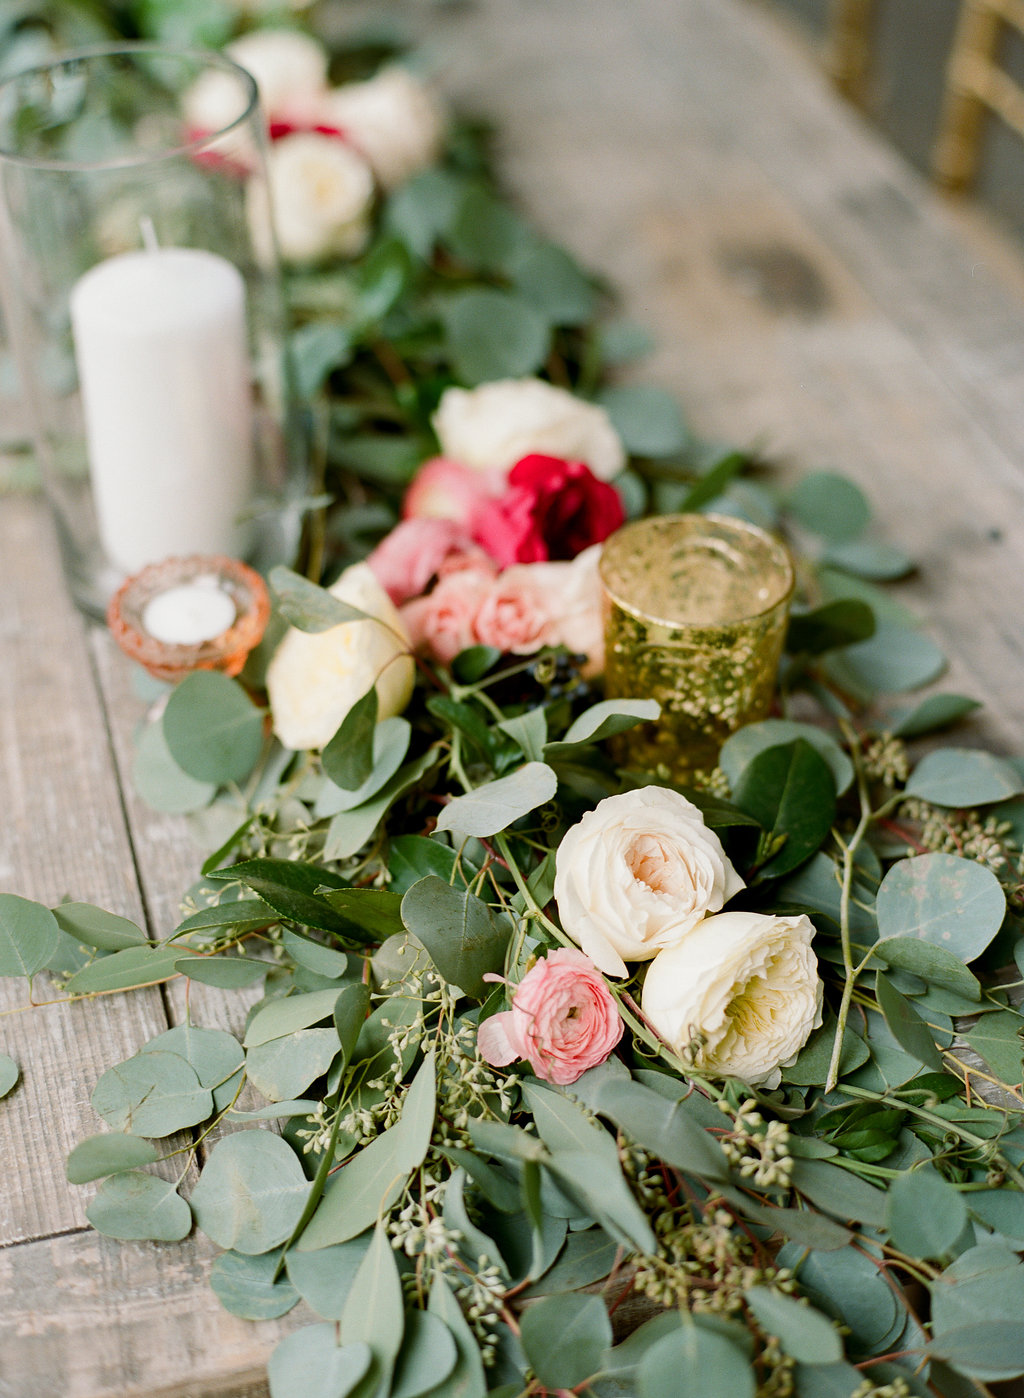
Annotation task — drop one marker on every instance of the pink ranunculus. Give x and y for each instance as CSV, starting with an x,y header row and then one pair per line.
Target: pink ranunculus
x,y
442,489
415,551
517,613
550,508
563,1020
442,623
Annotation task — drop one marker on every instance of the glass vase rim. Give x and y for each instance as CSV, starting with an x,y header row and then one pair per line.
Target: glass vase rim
x,y
776,545
205,57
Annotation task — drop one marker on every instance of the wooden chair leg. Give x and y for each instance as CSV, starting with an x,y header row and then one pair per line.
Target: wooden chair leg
x,y
964,110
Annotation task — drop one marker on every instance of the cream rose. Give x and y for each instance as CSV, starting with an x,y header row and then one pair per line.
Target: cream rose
x,y
637,874
314,678
494,426
321,193
393,118
738,996
290,71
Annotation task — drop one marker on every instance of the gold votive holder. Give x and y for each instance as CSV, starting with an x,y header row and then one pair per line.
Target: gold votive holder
x,y
696,608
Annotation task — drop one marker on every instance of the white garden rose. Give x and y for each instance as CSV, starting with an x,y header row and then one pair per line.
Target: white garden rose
x,y
321,193
315,678
393,118
637,874
494,426
739,996
290,71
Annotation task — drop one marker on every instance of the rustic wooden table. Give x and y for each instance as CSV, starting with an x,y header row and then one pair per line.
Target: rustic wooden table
x,y
810,296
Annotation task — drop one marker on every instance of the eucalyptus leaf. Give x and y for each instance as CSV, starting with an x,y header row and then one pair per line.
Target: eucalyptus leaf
x,y
213,730
554,284
933,964
985,1349
963,777
246,1287
906,1024
374,1313
307,606
134,1205
427,1357
280,1017
390,744
601,1193
666,1128
646,417
324,1278
997,1038
251,1192
895,659
461,935
161,782
953,903
747,742
803,1332
695,1362
869,558
9,1074
29,935
494,335
847,1285
215,1055
97,928
309,1363
152,1094
314,956
239,914
830,505
284,1067
226,972
280,1111
935,712
125,970
467,1379
586,1258
565,1338
107,1154
605,719
529,730
838,1192
924,1213
492,808
348,757
840,623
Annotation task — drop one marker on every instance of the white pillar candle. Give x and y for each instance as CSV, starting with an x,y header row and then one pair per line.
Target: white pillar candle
x,y
160,341
190,613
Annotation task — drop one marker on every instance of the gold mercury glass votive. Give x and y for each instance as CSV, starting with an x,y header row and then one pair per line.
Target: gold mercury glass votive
x,y
696,608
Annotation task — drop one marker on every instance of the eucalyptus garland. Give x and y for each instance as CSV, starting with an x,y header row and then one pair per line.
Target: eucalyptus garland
x,y
608,1207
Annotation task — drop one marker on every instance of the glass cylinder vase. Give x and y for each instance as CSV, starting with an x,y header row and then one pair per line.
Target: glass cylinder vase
x,y
143,296
696,608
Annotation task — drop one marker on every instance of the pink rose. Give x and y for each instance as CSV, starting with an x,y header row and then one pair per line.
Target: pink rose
x,y
442,623
550,509
415,551
442,489
563,1020
516,613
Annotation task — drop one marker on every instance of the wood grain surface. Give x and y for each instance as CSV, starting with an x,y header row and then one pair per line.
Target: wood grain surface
x,y
810,297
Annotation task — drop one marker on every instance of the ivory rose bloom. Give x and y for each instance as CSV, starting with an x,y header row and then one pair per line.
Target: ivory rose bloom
x,y
739,996
290,71
314,678
393,119
321,193
563,1020
495,425
637,874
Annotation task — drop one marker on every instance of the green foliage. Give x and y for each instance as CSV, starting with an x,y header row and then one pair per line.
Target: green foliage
x,y
565,1338
9,1074
28,936
464,940
213,730
949,902
251,1192
133,1205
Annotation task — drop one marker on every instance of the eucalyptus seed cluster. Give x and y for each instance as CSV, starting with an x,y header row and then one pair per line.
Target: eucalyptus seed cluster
x,y
961,832
704,1264
899,1388
776,1370
885,760
758,1149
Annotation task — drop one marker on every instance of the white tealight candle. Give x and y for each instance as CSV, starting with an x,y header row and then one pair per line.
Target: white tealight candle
x,y
190,613
161,345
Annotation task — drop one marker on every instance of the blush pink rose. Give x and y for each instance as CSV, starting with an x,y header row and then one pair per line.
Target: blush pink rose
x,y
415,551
550,508
442,623
442,489
563,1020
515,615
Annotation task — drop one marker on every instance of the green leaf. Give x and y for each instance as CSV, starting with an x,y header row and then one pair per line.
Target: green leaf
x,y
461,935
427,1357
646,417
124,970
245,1286
215,1056
829,505
369,1184
324,1278
997,1039
694,1362
492,808
812,1065
790,790
350,829
350,1013
828,1380
493,335
924,1214
565,1338
383,278
29,934
240,913
963,777
663,1127
107,1154
554,284
376,910
952,903
374,1313
291,889
803,1333
935,712
423,209
748,742
314,956
251,1192
622,341
839,623
849,1286
467,1380
348,757
226,972
936,965
213,729
986,1349
838,1192
307,606
279,1111
97,928
486,232
895,659
135,1205
529,730
907,1026
284,1067
869,559
585,1259
309,1363
714,482
316,349
390,743
160,782
601,1193
285,1016
152,1094
9,1074
605,719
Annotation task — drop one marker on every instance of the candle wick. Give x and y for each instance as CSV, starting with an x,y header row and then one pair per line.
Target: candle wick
x,y
149,238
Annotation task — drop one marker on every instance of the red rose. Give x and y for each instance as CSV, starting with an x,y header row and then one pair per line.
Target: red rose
x,y
551,509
